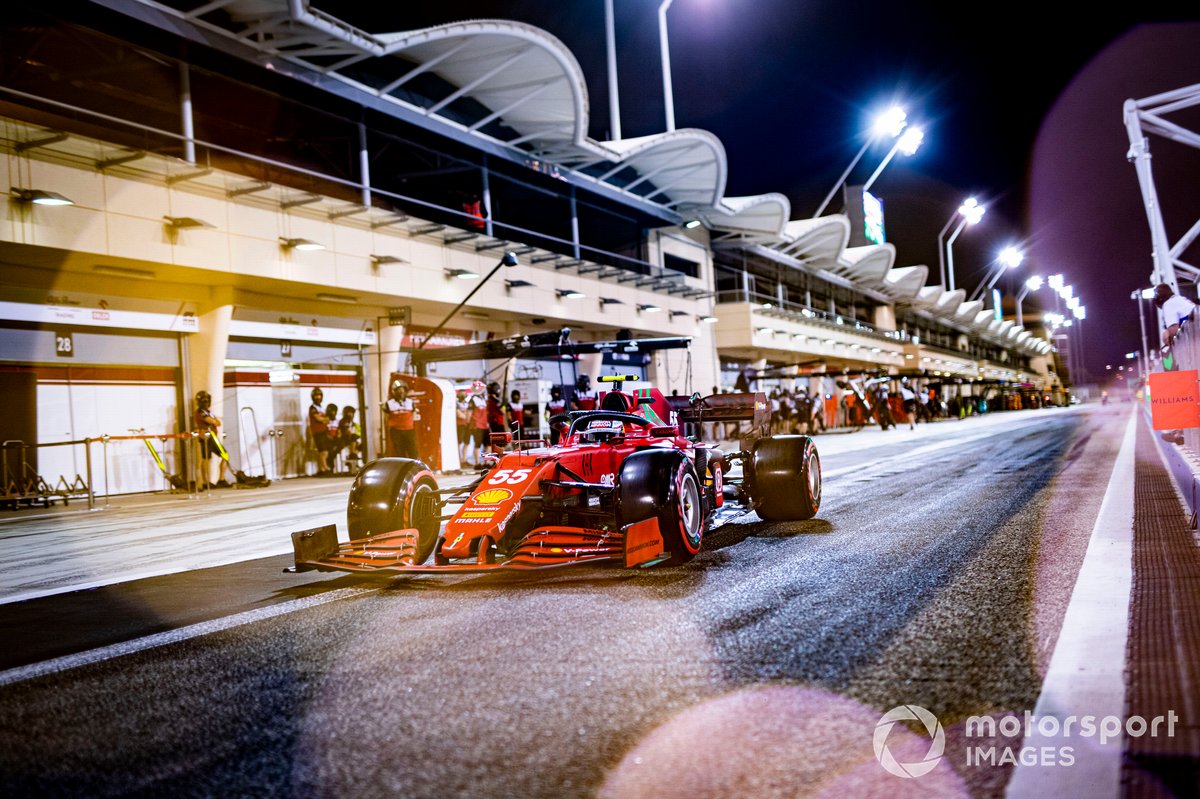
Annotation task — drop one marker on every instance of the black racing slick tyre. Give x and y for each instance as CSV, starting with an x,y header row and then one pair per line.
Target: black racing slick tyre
x,y
395,494
786,478
663,483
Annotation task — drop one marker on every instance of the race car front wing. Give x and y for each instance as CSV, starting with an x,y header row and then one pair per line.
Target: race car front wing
x,y
638,544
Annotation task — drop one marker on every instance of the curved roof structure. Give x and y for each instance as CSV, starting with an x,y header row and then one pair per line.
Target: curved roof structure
x,y
519,87
967,312
903,282
866,266
819,240
928,296
949,302
761,217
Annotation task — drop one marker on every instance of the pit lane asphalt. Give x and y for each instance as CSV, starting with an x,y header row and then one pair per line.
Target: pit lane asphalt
x,y
761,667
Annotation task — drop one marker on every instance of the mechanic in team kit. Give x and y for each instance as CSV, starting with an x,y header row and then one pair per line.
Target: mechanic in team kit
x,y
495,412
318,429
401,417
557,406
348,437
479,420
585,398
516,414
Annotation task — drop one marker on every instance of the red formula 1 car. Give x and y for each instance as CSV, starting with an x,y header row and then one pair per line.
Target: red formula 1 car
x,y
629,483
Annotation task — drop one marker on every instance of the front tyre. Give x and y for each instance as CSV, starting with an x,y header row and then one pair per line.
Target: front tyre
x,y
663,484
786,478
395,494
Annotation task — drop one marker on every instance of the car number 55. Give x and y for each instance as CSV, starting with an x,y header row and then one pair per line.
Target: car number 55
x,y
509,476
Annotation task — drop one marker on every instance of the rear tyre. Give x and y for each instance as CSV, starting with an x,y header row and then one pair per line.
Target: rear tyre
x,y
786,478
663,484
395,494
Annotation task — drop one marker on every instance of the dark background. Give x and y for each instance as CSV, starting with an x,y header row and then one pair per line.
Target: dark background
x,y
1021,102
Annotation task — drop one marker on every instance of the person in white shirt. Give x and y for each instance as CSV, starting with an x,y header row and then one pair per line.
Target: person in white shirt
x,y
909,397
1175,311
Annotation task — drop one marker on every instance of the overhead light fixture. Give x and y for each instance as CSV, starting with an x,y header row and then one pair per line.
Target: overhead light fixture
x,y
124,271
462,274
611,301
181,222
387,259
706,319
570,294
40,197
343,298
692,224
678,313
516,284
649,308
306,245
475,315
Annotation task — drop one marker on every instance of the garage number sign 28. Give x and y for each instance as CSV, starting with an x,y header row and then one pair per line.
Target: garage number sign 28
x,y
64,344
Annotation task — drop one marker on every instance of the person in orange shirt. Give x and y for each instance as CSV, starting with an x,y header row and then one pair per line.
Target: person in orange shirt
x,y
479,420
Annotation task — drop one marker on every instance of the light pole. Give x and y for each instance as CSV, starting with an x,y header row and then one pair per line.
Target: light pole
x,y
971,212
1009,258
890,123
908,143
614,102
668,97
1143,294
509,259
1080,313
1032,284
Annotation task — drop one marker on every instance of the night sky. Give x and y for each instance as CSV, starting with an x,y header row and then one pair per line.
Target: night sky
x,y
1021,103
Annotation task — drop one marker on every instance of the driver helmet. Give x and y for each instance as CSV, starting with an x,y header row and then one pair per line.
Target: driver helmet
x,y
493,389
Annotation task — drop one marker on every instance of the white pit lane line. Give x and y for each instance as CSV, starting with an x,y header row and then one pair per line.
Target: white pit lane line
x,y
1086,676
68,662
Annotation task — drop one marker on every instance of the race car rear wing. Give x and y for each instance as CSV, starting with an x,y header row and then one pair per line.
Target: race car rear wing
x,y
753,408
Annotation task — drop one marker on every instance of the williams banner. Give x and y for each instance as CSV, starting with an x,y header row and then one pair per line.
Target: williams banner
x,y
1174,400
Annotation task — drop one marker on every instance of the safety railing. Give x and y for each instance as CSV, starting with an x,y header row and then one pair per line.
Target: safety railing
x,y
23,467
25,486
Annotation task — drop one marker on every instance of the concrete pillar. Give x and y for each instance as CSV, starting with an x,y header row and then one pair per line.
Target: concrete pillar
x,y
380,361
884,317
591,365
206,365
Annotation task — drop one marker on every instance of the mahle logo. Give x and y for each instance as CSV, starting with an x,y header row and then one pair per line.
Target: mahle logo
x,y
932,726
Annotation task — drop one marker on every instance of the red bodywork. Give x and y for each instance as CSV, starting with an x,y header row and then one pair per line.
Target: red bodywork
x,y
579,470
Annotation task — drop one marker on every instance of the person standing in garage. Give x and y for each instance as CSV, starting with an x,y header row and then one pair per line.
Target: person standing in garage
x,y
401,425
207,424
